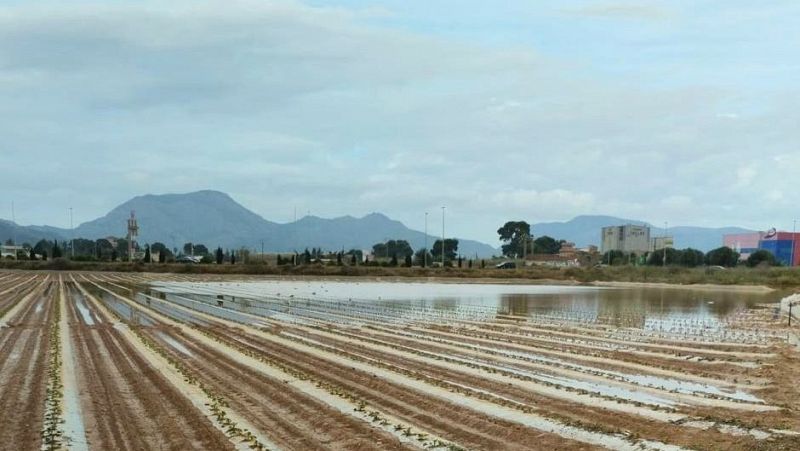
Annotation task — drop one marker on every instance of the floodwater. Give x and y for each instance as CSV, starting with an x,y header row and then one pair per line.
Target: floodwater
x,y
642,307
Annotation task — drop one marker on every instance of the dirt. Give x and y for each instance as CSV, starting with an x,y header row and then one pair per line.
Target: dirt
x,y
126,404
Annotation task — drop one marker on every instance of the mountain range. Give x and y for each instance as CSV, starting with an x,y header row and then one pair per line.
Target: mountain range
x,y
213,218
585,230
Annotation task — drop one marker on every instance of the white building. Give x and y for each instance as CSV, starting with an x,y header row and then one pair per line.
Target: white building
x,y
627,238
7,251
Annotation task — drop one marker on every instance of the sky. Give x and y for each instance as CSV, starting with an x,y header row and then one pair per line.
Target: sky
x,y
679,111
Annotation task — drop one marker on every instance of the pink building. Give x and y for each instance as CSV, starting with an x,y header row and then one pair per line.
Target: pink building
x,y
744,243
785,246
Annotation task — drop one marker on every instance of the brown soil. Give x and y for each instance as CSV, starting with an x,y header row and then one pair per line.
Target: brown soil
x,y
126,404
24,356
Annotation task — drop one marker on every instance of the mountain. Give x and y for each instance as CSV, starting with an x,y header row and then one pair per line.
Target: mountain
x,y
585,230
215,219
28,234
208,217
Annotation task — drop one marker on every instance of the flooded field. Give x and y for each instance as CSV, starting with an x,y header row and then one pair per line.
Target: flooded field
x,y
213,362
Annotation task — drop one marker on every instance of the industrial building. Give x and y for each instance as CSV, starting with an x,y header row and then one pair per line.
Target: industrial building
x,y
785,246
660,242
629,238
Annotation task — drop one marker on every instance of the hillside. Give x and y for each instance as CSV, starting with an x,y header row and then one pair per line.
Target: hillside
x,y
215,219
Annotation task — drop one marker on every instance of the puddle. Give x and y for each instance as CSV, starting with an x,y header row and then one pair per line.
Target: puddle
x,y
84,311
179,347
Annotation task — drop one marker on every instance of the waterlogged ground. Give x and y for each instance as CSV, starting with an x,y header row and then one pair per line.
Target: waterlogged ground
x,y
307,364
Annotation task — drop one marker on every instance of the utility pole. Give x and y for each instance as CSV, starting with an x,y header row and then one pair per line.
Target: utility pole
x,y
425,249
442,237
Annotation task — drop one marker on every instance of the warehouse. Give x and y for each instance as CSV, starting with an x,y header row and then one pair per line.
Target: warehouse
x,y
785,246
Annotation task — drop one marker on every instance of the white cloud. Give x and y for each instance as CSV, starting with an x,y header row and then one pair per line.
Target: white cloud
x,y
281,103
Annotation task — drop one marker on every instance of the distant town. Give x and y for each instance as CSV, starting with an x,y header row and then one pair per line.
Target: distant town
x,y
625,244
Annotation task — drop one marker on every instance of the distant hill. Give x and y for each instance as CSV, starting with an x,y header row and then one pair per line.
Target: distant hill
x,y
28,234
585,230
215,219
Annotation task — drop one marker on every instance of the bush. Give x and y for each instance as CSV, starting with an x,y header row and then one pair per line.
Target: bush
x,y
761,258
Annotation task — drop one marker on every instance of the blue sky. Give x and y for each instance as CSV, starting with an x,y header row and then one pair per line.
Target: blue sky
x,y
679,111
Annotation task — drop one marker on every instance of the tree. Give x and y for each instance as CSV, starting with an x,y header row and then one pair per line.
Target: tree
x,y
233,257
450,249
422,257
31,254
515,235
188,248
692,258
408,261
56,253
220,256
380,250
400,248
613,258
306,256
339,259
122,248
200,249
147,254
42,246
674,257
162,250
353,259
722,256
762,258
546,245
394,260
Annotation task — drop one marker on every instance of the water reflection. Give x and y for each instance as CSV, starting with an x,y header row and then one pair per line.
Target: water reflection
x,y
633,307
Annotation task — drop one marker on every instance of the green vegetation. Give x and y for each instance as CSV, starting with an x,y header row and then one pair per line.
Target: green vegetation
x,y
516,236
776,277
761,258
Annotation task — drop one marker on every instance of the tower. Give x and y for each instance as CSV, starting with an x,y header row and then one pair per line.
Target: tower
x,y
133,233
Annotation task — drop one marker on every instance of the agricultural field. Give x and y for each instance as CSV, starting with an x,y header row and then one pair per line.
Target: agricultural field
x,y
159,361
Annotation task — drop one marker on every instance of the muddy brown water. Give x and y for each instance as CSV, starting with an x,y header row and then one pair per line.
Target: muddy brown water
x,y
595,304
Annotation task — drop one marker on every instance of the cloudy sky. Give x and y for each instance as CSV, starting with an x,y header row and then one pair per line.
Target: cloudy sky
x,y
683,111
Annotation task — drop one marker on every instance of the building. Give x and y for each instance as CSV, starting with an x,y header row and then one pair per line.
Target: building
x,y
9,251
660,242
785,246
627,238
743,243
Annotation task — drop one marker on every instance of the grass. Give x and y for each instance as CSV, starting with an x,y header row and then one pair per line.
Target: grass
x,y
781,278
